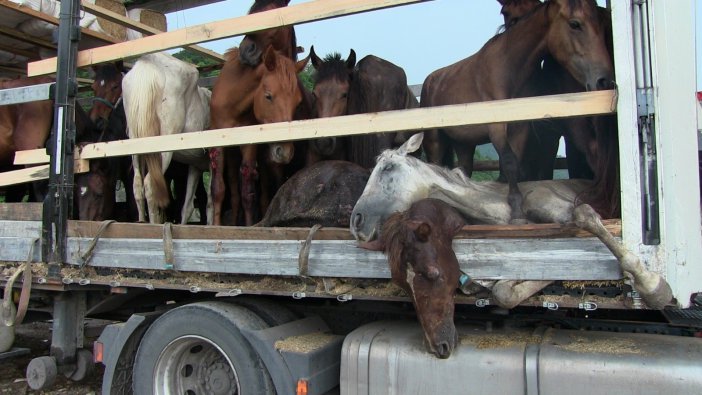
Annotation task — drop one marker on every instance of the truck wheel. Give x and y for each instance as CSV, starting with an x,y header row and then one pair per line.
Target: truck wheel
x,y
198,349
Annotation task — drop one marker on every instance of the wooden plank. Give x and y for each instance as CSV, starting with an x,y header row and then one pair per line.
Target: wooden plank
x,y
20,228
27,53
37,173
9,6
20,212
551,259
198,232
16,249
142,28
24,37
20,176
554,106
294,14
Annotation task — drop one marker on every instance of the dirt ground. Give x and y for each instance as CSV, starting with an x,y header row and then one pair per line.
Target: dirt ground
x,y
36,336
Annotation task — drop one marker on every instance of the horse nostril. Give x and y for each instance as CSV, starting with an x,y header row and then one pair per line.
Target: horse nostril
x,y
604,83
443,350
357,220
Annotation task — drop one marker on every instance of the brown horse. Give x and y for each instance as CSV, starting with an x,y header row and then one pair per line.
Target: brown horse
x,y
591,142
23,126
568,30
258,84
107,90
323,193
422,262
344,87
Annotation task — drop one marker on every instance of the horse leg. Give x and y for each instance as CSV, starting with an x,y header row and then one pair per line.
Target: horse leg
x,y
194,177
510,148
138,188
435,147
217,183
654,290
509,293
464,155
156,213
249,179
581,146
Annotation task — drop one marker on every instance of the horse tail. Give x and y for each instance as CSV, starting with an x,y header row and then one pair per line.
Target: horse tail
x,y
142,99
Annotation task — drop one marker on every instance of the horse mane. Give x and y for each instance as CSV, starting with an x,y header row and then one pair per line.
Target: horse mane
x,y
108,72
332,67
265,5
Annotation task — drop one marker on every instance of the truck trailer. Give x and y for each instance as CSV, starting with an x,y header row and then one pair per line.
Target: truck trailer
x,y
198,309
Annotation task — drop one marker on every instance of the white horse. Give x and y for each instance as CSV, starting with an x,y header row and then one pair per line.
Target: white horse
x,y
399,179
161,97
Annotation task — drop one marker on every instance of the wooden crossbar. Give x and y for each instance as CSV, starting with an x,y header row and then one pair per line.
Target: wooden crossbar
x,y
542,107
295,14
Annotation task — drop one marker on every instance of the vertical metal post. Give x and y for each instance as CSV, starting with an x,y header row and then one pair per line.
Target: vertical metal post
x,y
58,205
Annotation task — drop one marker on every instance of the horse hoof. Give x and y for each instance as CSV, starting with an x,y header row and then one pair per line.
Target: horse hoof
x,y
658,298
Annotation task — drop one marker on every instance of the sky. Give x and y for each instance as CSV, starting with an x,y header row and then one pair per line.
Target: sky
x,y
420,38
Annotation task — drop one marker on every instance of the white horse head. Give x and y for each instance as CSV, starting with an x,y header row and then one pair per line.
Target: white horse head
x,y
396,182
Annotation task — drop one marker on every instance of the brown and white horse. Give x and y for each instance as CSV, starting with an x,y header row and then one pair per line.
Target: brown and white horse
x,y
399,179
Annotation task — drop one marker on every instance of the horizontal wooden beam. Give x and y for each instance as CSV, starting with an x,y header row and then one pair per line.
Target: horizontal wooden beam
x,y
418,119
37,173
295,14
142,28
197,232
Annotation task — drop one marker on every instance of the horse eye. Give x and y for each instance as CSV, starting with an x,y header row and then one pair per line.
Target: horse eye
x,y
388,167
344,95
268,96
575,25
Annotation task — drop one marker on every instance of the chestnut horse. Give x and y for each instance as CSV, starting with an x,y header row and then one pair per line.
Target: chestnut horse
x,y
344,87
568,30
399,179
23,126
418,243
258,84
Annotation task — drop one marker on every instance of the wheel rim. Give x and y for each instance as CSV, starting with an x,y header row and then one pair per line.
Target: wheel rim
x,y
193,365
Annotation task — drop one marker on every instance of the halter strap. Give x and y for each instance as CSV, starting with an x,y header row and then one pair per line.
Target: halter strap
x,y
105,102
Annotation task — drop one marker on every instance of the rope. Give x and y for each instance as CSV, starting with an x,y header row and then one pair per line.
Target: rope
x,y
25,268
304,257
85,258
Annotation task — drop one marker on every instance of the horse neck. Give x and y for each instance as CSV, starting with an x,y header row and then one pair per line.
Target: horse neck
x,y
523,46
483,202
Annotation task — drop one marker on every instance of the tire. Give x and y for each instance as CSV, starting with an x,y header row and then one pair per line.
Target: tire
x,y
272,313
198,349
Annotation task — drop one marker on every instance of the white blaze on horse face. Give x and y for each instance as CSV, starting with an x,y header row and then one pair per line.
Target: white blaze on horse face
x,y
83,191
410,280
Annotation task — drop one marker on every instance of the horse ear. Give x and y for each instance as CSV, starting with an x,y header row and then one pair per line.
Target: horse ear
x,y
374,245
412,144
503,2
316,61
300,64
351,60
269,58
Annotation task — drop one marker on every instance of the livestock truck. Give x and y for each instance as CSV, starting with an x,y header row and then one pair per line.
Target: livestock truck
x,y
215,310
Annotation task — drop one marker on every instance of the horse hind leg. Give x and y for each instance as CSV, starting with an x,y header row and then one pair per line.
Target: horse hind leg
x,y
510,293
138,188
652,288
194,177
